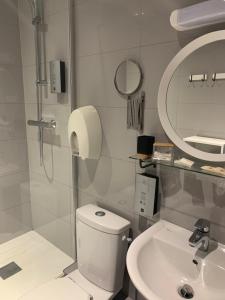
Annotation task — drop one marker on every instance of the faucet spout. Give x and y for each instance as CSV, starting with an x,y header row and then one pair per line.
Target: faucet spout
x,y
201,235
199,238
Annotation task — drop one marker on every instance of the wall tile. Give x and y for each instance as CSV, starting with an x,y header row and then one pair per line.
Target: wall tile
x,y
119,20
12,121
97,72
155,28
13,156
110,180
155,60
88,19
90,74
14,190
152,124
57,36
15,215
57,162
9,54
14,222
195,196
8,13
26,34
51,196
55,6
11,88
29,79
118,141
54,230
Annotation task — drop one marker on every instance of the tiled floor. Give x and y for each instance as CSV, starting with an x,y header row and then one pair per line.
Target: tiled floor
x,y
40,261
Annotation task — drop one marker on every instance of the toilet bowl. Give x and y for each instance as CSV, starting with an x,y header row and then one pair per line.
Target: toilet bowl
x,y
101,252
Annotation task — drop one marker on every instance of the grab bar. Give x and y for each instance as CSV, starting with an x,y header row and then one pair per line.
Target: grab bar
x,y
42,124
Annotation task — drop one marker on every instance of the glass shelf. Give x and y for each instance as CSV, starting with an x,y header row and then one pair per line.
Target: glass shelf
x,y
196,168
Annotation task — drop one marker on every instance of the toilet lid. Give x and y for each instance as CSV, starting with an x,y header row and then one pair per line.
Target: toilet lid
x,y
58,289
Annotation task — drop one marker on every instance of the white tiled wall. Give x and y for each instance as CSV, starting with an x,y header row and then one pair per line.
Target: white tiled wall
x,y
108,31
51,184
15,214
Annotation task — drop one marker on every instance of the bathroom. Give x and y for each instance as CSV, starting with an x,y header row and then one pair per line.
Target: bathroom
x,y
80,44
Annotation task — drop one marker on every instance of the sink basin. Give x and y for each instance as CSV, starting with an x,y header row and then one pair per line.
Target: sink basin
x,y
160,263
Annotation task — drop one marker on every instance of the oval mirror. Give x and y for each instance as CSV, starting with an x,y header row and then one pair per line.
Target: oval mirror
x,y
191,100
128,77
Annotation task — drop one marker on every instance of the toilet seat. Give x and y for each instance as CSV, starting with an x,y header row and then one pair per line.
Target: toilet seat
x,y
58,289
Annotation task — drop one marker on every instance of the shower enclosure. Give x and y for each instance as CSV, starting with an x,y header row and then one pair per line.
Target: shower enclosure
x,y
36,183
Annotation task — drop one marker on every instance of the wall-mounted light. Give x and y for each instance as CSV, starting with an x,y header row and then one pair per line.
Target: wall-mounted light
x,y
198,15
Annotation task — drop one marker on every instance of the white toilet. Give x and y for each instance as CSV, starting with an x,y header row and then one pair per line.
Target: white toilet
x,y
101,252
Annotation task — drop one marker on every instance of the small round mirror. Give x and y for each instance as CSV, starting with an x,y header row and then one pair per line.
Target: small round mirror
x,y
128,77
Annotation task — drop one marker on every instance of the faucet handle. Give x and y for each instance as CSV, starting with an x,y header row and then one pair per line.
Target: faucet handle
x,y
202,225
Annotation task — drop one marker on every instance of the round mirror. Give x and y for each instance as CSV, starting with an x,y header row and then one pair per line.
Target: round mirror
x,y
128,77
191,99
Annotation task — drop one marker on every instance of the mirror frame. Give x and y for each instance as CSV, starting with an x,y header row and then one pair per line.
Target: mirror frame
x,y
163,89
140,82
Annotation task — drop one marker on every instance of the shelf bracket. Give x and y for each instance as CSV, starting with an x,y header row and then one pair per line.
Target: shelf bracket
x,y
143,164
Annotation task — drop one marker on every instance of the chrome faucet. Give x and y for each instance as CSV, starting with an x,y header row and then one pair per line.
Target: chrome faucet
x,y
201,235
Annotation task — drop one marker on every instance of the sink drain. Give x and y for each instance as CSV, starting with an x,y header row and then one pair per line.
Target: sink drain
x,y
186,291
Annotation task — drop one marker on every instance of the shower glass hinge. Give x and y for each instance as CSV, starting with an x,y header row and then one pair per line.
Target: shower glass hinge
x,y
42,124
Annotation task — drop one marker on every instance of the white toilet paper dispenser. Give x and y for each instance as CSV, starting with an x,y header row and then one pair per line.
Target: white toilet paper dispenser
x,y
85,133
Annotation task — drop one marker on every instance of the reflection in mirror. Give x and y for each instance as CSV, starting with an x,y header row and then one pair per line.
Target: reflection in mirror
x,y
196,109
128,77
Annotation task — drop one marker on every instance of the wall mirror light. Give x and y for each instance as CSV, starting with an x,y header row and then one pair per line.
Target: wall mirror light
x,y
191,99
128,77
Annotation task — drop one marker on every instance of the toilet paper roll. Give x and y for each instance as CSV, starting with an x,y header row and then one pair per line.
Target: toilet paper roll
x,y
85,133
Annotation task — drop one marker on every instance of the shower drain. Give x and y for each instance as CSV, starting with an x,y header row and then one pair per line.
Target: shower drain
x,y
9,270
186,291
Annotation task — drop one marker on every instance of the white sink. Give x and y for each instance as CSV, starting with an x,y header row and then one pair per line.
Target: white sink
x,y
160,261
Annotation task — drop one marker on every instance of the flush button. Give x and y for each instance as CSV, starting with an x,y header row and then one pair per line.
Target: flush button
x,y
100,213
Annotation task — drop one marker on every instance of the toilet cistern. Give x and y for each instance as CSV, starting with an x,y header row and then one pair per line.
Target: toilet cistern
x,y
200,235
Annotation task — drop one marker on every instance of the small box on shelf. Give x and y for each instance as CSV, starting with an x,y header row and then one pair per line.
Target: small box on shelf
x,y
163,152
